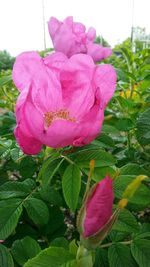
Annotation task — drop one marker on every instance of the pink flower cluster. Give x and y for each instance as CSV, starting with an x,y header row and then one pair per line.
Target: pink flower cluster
x,y
62,96
71,38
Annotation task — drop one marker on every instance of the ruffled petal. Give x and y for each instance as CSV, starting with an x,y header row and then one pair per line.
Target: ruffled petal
x,y
77,88
98,52
55,62
63,40
30,69
105,80
27,142
53,26
91,125
91,34
26,69
78,28
29,119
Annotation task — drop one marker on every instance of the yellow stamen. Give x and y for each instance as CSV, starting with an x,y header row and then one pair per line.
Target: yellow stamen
x,y
50,116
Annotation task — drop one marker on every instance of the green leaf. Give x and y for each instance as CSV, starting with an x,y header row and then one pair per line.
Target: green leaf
x,y
16,189
5,257
55,227
104,140
27,167
25,249
109,129
10,211
49,169
100,173
124,124
140,249
71,184
51,195
102,158
141,197
126,222
52,256
60,242
117,236
144,231
101,258
121,75
37,210
143,128
132,169
15,153
127,55
73,248
5,79
119,255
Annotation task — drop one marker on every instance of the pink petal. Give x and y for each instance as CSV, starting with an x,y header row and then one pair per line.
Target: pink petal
x,y
29,119
76,79
29,68
63,41
53,26
61,133
68,21
55,62
98,52
91,126
26,67
91,34
28,143
105,81
98,207
78,28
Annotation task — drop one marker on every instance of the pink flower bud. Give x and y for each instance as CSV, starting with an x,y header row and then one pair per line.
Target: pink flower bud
x,y
97,208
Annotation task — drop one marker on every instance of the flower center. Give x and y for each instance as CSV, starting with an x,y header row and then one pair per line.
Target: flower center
x,y
63,114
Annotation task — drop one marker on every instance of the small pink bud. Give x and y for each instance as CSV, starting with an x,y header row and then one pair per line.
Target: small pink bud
x,y
96,209
95,219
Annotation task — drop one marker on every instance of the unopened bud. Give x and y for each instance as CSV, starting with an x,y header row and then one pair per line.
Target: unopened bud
x,y
123,203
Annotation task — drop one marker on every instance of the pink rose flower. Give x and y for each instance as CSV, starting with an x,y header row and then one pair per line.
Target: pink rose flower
x,y
71,38
98,207
61,100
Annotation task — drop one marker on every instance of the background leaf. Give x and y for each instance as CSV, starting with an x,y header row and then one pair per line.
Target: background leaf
x,y
71,184
6,259
10,211
126,222
25,249
37,210
143,127
102,158
119,255
140,249
53,256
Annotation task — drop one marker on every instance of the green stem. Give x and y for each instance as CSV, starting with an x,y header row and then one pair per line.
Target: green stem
x,y
84,257
111,243
68,159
